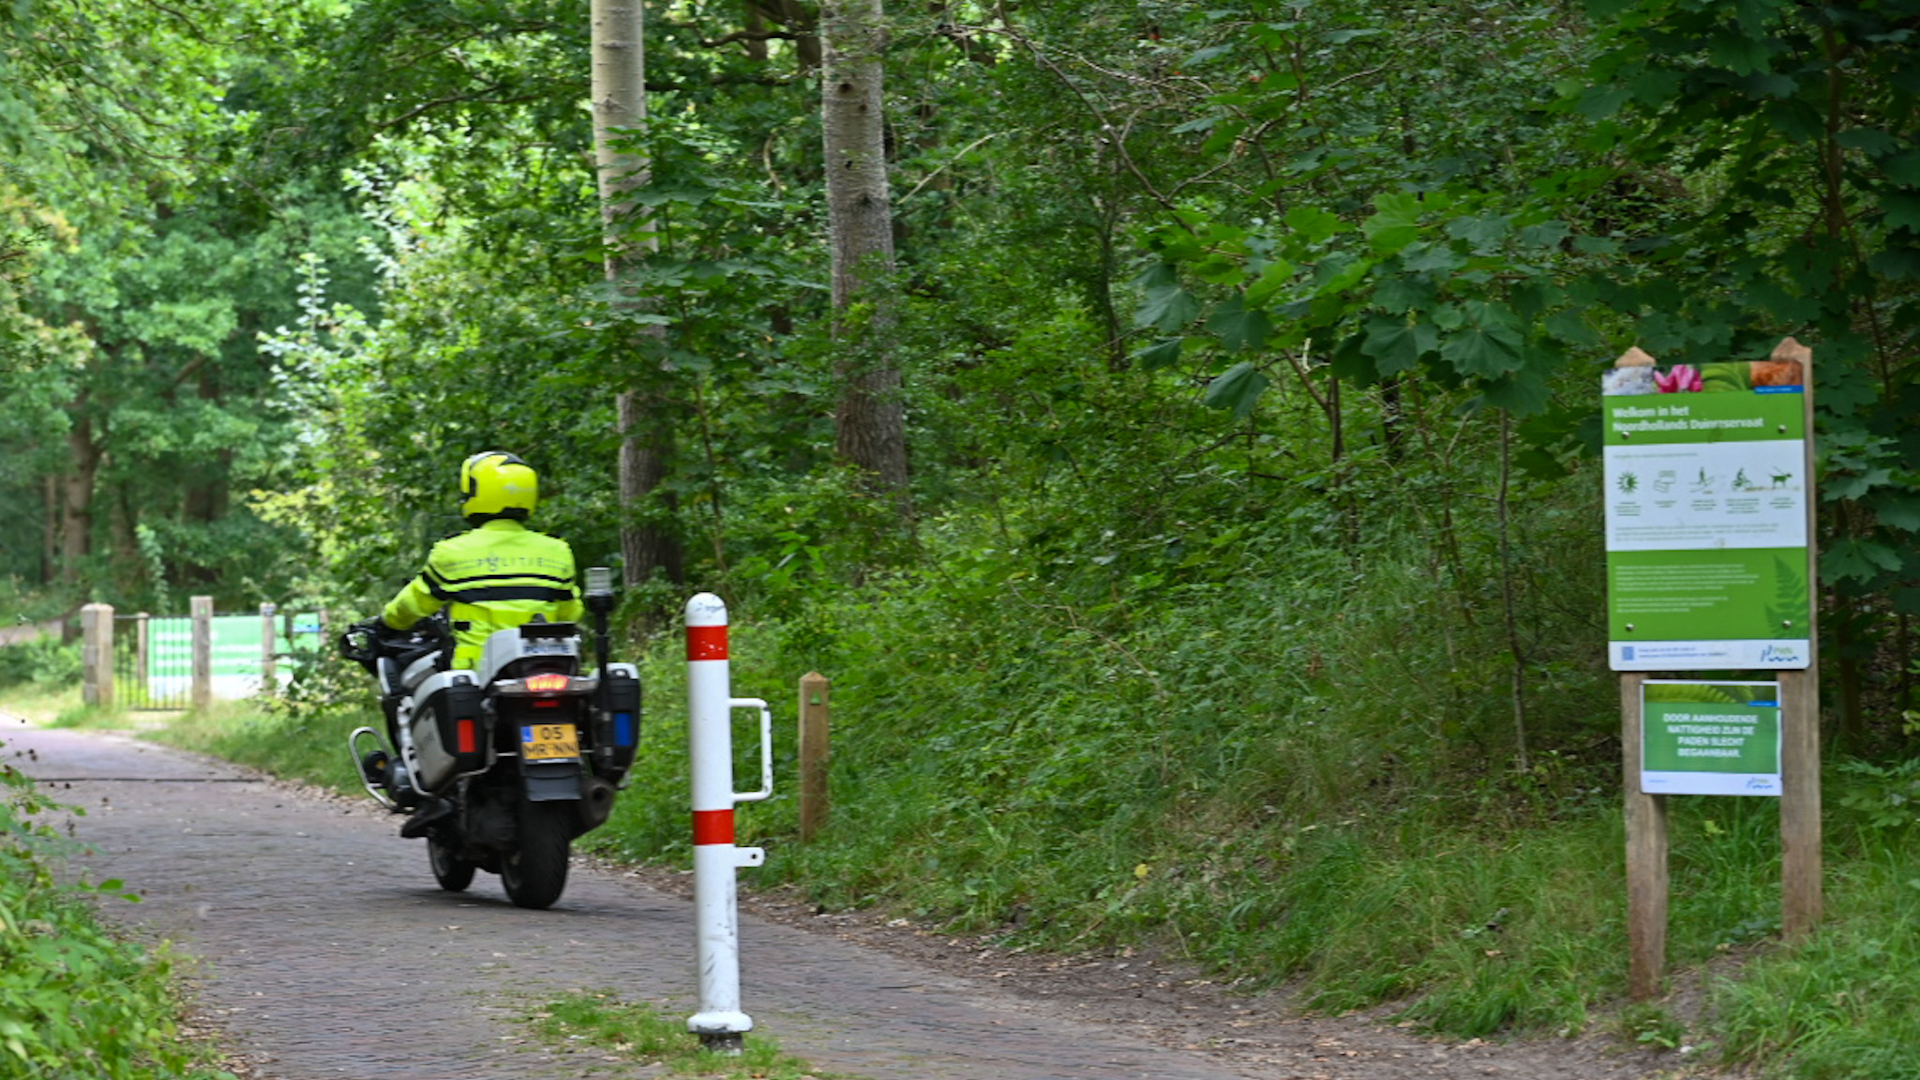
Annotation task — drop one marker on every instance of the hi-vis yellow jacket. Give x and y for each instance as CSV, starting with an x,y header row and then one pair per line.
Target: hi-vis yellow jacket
x,y
498,575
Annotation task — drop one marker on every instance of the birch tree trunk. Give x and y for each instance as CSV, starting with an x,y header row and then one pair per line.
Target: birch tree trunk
x,y
870,423
646,435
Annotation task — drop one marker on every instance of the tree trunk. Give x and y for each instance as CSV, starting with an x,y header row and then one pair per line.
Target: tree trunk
x,y
870,423
128,570
76,495
646,446
799,21
756,42
49,528
646,547
619,101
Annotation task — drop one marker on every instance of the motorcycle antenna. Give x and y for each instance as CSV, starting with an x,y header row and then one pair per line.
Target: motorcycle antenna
x,y
599,600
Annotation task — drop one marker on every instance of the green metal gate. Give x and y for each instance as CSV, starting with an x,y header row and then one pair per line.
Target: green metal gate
x,y
153,656
152,661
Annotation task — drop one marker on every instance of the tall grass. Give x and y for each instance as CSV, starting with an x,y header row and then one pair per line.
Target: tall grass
x,y
1484,910
1300,767
1283,755
1295,763
1845,1004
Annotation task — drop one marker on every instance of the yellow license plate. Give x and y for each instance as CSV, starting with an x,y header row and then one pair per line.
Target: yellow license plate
x,y
546,742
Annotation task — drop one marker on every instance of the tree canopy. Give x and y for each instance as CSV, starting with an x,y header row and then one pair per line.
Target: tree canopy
x,y
1171,285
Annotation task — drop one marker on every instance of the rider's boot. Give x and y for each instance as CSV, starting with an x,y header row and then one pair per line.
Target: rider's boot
x,y
424,819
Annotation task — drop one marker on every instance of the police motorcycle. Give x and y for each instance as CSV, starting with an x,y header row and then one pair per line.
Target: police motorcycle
x,y
501,766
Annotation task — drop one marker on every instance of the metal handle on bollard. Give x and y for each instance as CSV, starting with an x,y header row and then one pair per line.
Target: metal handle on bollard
x,y
766,748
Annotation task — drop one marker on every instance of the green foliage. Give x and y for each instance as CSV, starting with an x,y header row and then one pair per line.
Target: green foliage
x,y
42,662
76,1001
1447,264
1234,581
1885,796
1113,734
323,685
1780,131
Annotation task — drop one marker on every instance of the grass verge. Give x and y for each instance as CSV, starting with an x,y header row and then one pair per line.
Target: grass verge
x,y
601,1024
309,746
78,1001
42,705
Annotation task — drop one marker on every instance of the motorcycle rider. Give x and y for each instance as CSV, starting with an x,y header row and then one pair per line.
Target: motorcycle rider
x,y
497,575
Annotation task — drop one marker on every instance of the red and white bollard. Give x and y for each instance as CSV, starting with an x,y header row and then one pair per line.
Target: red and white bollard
x,y
710,704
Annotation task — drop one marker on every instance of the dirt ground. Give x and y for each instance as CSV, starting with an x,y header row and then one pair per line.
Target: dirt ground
x,y
309,922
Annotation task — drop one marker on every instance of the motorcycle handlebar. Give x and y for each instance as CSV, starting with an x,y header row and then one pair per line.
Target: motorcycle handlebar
x,y
367,640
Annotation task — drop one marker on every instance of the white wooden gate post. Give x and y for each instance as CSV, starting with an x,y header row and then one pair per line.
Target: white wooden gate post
x,y
269,641
96,655
202,609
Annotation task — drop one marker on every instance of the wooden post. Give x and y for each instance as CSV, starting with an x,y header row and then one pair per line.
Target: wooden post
x,y
1647,888
1800,859
814,800
1646,855
202,612
96,655
269,642
141,681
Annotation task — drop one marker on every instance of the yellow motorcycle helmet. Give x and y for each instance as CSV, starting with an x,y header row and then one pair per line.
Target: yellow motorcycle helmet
x,y
496,484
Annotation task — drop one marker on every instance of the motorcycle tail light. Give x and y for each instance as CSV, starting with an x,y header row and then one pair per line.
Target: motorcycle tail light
x,y
468,740
547,682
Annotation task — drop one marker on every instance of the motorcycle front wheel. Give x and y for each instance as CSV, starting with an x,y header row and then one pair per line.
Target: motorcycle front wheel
x,y
535,872
452,872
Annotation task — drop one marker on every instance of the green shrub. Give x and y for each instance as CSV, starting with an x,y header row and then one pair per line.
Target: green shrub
x,y
1884,796
77,1002
40,662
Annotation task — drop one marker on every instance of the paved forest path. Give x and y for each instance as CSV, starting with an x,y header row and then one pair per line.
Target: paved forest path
x,y
324,950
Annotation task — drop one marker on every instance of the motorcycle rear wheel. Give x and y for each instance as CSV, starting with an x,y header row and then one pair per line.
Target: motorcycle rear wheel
x,y
452,872
535,872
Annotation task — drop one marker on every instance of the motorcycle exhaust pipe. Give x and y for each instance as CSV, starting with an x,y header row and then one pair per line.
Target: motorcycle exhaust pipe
x,y
595,805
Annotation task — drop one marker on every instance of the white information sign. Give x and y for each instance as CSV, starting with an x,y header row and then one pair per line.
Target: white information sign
x,y
1706,495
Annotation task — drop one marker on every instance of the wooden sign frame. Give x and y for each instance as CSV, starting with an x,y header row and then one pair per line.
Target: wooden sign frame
x,y
1800,827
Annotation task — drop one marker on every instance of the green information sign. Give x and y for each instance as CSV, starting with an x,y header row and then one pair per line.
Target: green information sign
x,y
1709,738
1706,505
